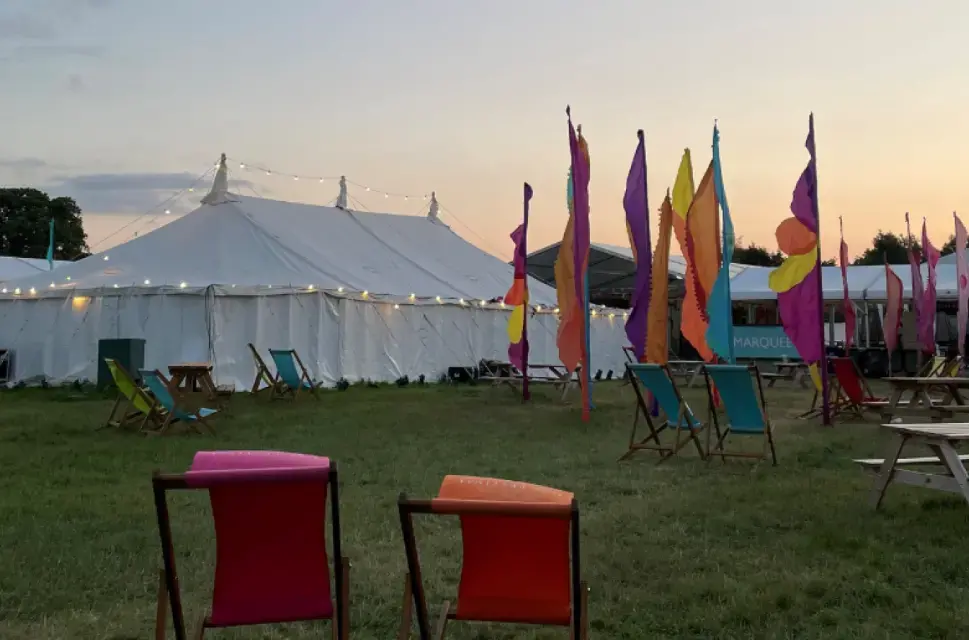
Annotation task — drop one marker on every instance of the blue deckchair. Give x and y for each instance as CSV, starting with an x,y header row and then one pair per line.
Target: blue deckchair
x,y
679,417
291,375
171,400
745,408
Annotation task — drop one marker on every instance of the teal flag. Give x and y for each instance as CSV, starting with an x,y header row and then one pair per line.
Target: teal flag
x,y
50,247
719,307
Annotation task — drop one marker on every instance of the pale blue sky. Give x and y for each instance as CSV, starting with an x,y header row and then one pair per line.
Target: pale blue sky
x,y
467,98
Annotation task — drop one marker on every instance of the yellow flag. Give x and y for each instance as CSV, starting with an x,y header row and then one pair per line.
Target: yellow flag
x,y
683,188
793,271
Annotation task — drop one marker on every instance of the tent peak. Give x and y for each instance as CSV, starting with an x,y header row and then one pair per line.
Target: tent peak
x,y
432,212
220,186
341,199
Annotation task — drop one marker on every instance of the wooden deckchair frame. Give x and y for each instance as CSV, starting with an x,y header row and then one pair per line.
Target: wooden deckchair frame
x,y
768,433
168,590
414,598
178,405
281,389
124,413
654,432
263,374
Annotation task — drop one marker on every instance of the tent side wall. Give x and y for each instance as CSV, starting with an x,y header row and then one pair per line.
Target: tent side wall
x,y
336,337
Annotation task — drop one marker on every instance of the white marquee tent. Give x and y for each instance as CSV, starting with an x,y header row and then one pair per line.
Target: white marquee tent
x,y
359,295
12,268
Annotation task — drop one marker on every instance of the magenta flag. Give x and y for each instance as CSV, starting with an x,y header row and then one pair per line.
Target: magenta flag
x,y
800,306
848,306
517,296
636,204
914,263
962,277
927,313
894,298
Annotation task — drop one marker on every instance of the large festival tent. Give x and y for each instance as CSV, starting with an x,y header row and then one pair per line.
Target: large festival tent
x,y
361,296
12,268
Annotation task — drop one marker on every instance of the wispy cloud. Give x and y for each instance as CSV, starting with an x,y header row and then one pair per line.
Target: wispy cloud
x,y
133,192
23,163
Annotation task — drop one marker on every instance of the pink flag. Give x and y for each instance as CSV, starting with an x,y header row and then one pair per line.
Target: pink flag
x,y
848,306
927,312
962,276
914,262
895,294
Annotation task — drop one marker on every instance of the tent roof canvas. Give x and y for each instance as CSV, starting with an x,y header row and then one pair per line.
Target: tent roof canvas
x,y
248,242
12,268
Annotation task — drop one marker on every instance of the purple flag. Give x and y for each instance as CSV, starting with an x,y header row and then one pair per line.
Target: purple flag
x,y
927,312
800,305
636,204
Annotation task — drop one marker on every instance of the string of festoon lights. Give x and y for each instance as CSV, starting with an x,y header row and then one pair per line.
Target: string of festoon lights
x,y
596,311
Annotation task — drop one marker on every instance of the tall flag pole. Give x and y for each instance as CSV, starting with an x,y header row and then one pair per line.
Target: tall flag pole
x,y
848,307
50,247
962,273
797,281
636,204
657,332
571,271
719,304
894,298
517,296
927,315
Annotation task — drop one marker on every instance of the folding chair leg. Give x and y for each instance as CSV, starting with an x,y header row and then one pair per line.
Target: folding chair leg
x,y
407,610
583,605
442,621
161,610
111,421
770,441
345,568
200,633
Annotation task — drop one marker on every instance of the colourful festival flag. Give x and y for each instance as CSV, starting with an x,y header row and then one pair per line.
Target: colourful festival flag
x,y
927,313
517,296
848,307
657,341
50,247
914,263
797,281
703,257
894,299
636,204
962,277
719,305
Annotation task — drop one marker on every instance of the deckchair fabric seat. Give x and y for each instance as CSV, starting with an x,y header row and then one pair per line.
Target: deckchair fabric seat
x,y
269,510
741,392
520,552
171,400
659,381
291,374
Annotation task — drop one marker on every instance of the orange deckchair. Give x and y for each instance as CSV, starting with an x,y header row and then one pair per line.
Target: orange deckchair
x,y
271,566
521,556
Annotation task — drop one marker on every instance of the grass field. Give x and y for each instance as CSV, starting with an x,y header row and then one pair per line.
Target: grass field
x,y
682,550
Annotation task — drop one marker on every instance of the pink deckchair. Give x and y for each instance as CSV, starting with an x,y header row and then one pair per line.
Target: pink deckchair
x,y
269,509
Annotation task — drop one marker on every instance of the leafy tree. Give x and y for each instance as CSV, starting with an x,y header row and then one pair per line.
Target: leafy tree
x,y
25,216
831,262
949,246
886,244
756,255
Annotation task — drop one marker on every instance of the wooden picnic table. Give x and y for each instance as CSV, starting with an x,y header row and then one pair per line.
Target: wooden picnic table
x,y
922,402
555,374
794,372
942,440
194,377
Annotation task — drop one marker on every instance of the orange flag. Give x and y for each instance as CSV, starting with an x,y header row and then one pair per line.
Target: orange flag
x,y
702,249
657,344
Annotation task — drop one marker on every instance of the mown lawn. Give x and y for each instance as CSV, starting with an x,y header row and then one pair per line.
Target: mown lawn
x,y
682,550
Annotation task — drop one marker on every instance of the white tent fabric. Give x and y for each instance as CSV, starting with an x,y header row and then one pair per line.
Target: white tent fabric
x,y
12,268
864,283
336,285
677,264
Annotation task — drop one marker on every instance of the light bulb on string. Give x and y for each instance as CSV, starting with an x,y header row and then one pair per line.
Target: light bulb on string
x,y
339,289
396,306
242,165
147,281
168,212
438,298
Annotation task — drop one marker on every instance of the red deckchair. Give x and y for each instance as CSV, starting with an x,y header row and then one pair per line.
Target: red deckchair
x,y
853,393
269,509
521,556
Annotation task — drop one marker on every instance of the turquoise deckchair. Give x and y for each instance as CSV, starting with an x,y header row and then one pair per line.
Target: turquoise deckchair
x,y
170,398
292,376
745,408
658,380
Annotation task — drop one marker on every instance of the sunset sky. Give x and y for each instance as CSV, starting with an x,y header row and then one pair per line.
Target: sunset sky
x,y
122,104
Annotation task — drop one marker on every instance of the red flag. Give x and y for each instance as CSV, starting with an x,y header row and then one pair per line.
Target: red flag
x,y
848,305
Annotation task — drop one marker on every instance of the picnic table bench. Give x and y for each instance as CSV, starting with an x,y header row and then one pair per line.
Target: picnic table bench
x,y
795,372
948,402
507,373
948,469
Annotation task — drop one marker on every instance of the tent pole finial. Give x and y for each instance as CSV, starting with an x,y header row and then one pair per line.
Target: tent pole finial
x,y
341,200
220,185
432,212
